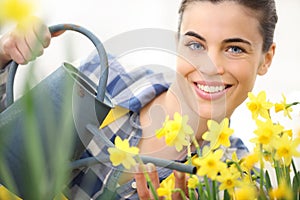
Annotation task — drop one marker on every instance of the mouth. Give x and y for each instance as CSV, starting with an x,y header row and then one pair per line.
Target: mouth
x,y
211,91
212,88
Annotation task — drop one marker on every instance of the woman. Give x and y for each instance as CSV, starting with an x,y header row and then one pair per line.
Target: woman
x,y
222,46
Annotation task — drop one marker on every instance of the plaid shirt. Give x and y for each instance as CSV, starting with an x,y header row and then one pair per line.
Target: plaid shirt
x,y
131,90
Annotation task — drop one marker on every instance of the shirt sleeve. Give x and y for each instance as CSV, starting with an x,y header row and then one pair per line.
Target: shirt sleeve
x,y
3,80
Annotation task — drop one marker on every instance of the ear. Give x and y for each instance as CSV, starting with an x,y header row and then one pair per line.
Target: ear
x,y
267,60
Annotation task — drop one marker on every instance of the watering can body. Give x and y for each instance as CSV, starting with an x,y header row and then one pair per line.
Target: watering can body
x,y
66,100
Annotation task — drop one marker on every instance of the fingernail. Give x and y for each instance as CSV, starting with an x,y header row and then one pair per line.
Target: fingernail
x,y
178,174
150,167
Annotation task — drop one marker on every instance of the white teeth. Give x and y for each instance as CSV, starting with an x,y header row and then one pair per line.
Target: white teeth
x,y
211,89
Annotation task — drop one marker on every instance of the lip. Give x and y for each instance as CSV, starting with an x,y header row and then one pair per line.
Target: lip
x,y
218,90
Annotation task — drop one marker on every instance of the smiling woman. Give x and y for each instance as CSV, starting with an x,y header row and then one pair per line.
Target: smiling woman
x,y
222,46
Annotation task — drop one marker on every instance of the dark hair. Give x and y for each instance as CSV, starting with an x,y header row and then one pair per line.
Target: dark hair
x,y
265,11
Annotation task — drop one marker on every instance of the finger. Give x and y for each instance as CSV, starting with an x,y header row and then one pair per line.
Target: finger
x,y
23,48
10,49
34,44
180,182
42,33
141,183
17,56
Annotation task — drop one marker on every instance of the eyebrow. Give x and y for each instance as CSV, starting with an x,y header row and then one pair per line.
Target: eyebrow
x,y
230,40
196,35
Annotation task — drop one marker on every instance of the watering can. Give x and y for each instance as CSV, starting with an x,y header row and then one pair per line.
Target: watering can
x,y
67,99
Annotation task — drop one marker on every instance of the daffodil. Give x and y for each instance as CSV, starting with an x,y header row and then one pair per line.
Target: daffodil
x,y
15,10
193,181
281,192
259,105
218,134
283,106
286,148
266,132
122,153
210,164
245,192
249,161
176,132
166,187
229,179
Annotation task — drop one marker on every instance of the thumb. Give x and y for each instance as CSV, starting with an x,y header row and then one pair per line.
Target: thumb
x,y
180,180
180,183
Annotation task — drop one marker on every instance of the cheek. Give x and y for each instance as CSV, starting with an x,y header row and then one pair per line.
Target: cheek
x,y
245,77
184,67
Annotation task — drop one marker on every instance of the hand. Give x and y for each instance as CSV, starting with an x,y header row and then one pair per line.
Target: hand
x,y
24,43
141,183
142,188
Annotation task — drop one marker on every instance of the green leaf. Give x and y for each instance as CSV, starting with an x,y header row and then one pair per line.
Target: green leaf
x,y
226,195
296,186
268,181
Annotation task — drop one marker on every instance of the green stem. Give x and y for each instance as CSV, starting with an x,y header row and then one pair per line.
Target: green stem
x,y
215,190
200,191
277,171
180,191
295,171
287,175
207,187
239,168
149,182
292,104
262,193
197,147
192,194
189,155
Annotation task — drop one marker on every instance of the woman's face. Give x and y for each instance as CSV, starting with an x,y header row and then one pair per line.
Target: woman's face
x,y
220,54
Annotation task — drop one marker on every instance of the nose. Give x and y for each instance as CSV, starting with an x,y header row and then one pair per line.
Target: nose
x,y
210,63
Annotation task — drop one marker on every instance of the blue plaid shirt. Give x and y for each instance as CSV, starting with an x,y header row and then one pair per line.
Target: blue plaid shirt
x,y
132,90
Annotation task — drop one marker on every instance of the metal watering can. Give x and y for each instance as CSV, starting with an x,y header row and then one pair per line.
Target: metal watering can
x,y
66,98
68,101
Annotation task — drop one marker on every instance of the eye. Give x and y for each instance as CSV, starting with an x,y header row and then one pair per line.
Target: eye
x,y
195,46
236,50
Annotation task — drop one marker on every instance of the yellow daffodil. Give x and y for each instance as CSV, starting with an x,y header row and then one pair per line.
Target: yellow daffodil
x,y
218,134
229,179
258,105
166,187
282,192
211,164
283,106
286,148
266,131
15,10
122,153
176,132
245,192
193,181
249,161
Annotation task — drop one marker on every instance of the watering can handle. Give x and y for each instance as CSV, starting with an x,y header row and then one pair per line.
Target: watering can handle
x,y
54,30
